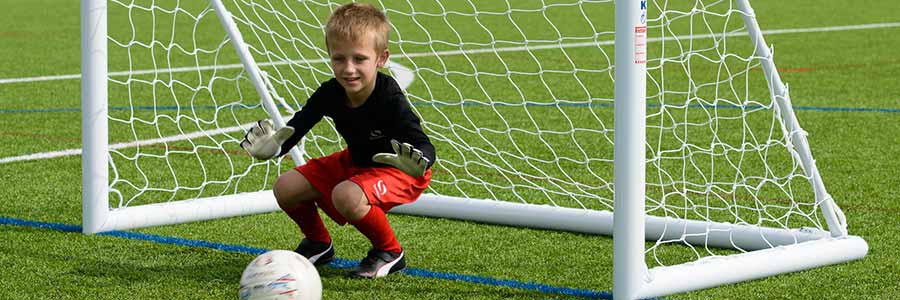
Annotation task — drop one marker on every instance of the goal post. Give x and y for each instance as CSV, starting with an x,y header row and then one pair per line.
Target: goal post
x,y
94,138
664,124
98,215
629,172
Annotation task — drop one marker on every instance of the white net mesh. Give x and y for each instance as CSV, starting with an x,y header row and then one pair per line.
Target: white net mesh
x,y
176,95
718,151
516,96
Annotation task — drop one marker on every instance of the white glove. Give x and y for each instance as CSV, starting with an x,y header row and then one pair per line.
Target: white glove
x,y
262,142
405,157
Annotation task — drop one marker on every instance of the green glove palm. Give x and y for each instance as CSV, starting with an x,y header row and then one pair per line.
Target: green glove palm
x,y
405,157
263,142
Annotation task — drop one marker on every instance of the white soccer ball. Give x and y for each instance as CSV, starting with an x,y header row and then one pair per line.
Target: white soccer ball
x,y
280,275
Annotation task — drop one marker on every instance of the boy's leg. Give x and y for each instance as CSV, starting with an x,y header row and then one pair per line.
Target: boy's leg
x,y
374,225
296,197
386,256
363,200
351,202
365,197
301,190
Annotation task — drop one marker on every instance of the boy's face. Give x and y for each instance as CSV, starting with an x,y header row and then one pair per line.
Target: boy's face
x,y
355,64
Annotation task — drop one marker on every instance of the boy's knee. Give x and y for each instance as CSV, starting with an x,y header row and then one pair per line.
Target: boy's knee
x,y
282,191
349,200
292,189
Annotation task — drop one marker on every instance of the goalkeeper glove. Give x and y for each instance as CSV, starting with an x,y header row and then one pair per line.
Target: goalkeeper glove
x,y
405,157
263,142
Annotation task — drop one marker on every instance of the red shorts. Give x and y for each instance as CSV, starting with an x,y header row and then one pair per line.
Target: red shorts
x,y
385,187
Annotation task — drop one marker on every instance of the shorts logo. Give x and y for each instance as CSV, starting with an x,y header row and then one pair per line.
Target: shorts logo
x,y
380,188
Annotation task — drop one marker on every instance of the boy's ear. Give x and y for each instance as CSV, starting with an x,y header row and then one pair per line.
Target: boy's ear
x,y
383,57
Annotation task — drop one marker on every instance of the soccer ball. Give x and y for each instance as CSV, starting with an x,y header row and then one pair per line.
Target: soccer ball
x,y
280,275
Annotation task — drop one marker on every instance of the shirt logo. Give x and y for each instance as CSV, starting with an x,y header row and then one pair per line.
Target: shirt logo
x,y
375,134
380,188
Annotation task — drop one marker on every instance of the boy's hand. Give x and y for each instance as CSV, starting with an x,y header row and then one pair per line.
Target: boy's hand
x,y
406,158
262,142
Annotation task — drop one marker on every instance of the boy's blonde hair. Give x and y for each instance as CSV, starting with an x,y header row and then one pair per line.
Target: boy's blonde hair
x,y
353,21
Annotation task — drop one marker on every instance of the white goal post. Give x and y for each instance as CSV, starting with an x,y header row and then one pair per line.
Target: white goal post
x,y
658,121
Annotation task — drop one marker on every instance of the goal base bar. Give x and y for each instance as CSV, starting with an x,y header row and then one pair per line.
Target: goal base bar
x,y
718,235
702,233
177,212
772,251
721,270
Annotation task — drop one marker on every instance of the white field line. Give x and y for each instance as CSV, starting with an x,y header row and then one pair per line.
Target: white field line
x,y
167,139
403,74
464,52
401,70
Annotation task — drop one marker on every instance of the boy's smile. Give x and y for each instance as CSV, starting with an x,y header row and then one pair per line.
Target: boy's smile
x,y
355,64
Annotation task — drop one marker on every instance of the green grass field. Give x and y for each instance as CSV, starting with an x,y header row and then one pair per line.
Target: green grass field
x,y
843,83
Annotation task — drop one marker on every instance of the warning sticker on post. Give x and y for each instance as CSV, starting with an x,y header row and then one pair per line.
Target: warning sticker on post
x,y
640,44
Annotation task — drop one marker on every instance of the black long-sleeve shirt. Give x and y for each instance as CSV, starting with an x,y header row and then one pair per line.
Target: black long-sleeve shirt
x,y
368,128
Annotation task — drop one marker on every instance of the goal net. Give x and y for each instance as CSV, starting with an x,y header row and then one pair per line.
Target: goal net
x,y
519,99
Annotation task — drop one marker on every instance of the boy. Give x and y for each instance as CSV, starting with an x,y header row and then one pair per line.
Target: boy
x,y
387,159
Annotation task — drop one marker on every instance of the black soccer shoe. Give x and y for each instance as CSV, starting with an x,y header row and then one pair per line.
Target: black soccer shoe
x,y
379,263
318,253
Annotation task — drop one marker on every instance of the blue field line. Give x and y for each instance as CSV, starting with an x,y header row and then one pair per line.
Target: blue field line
x,y
336,263
465,103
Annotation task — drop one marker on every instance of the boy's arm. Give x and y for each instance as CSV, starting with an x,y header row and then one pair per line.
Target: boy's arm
x,y
414,154
406,158
412,132
427,150
302,122
263,143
